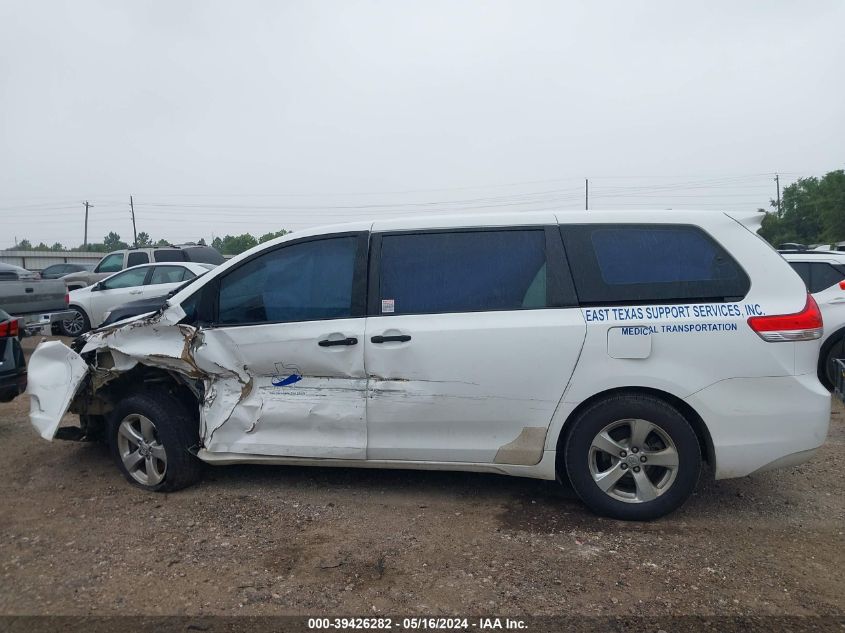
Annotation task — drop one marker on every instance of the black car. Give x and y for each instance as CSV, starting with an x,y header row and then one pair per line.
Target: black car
x,y
142,306
12,361
59,270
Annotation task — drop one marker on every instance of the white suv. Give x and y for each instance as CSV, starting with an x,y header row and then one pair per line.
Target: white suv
x,y
824,274
618,350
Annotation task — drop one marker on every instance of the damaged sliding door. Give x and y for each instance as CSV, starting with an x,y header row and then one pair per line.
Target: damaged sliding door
x,y
294,316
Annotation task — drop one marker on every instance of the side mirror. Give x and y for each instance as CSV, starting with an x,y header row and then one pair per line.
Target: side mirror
x,y
97,287
842,285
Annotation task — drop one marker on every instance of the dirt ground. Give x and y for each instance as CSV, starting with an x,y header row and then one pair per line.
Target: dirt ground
x,y
76,539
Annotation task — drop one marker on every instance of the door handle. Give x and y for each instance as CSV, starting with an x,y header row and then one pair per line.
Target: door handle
x,y
134,292
341,341
837,300
399,338
29,290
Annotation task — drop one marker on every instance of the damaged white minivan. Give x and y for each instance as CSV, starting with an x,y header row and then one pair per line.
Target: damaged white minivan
x,y
616,350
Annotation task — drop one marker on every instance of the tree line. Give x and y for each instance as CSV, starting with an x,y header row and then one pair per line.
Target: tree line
x,y
812,211
227,245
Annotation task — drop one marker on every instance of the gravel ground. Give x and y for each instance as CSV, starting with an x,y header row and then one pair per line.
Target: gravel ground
x,y
76,539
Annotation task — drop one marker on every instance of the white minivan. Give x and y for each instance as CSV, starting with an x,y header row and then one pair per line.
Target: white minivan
x,y
615,350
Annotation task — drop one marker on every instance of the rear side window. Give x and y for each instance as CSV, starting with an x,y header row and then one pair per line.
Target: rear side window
x,y
819,276
167,275
203,255
135,259
300,282
650,264
169,255
464,271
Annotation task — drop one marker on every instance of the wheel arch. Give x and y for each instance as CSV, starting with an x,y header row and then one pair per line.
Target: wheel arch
x,y
698,425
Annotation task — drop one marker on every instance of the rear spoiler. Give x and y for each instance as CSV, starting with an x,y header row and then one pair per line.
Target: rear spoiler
x,y
752,220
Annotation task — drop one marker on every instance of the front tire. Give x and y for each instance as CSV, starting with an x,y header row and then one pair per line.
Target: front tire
x,y
632,457
75,326
149,437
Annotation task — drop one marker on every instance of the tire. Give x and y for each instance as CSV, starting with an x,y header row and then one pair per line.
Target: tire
x,y
77,325
833,348
635,487
163,432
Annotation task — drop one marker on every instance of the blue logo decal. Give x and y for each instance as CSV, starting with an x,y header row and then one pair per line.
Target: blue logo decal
x,y
286,375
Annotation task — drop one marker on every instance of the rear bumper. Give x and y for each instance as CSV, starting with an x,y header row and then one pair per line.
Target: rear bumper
x,y
32,323
757,424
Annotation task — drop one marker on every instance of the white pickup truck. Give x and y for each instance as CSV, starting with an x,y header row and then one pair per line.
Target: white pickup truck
x,y
36,303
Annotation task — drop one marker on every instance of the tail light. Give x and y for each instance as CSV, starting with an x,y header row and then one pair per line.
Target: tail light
x,y
9,328
67,298
802,326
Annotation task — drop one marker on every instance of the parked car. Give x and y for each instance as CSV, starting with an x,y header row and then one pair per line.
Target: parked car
x,y
617,350
35,302
824,275
12,361
129,257
141,306
90,305
59,270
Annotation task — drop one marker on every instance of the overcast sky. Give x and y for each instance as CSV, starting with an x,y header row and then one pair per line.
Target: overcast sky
x,y
232,117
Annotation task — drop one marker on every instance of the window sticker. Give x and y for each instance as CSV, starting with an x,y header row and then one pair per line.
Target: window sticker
x,y
387,306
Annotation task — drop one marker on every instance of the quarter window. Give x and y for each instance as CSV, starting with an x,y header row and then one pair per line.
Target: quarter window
x,y
463,271
650,264
301,282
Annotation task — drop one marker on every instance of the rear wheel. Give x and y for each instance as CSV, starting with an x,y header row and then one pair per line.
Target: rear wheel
x,y
832,349
76,325
149,437
632,457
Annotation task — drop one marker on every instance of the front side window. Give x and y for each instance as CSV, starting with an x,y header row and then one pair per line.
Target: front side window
x,y
650,264
305,281
111,263
462,271
128,279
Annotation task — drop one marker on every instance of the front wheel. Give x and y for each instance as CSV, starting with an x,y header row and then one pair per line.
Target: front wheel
x,y
149,437
632,457
832,350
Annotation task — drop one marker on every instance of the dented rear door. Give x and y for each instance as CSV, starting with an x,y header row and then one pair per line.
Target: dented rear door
x,y
294,314
472,339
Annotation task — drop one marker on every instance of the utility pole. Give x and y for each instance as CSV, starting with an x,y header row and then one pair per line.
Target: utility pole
x,y
134,232
586,194
777,182
85,241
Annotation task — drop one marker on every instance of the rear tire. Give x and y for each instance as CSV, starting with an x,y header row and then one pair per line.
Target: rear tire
x,y
833,348
632,457
77,325
149,436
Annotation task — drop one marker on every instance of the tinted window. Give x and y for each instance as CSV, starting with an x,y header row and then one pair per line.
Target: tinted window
x,y
169,255
648,264
128,279
823,276
463,271
203,254
803,270
51,272
135,259
111,263
300,282
167,275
